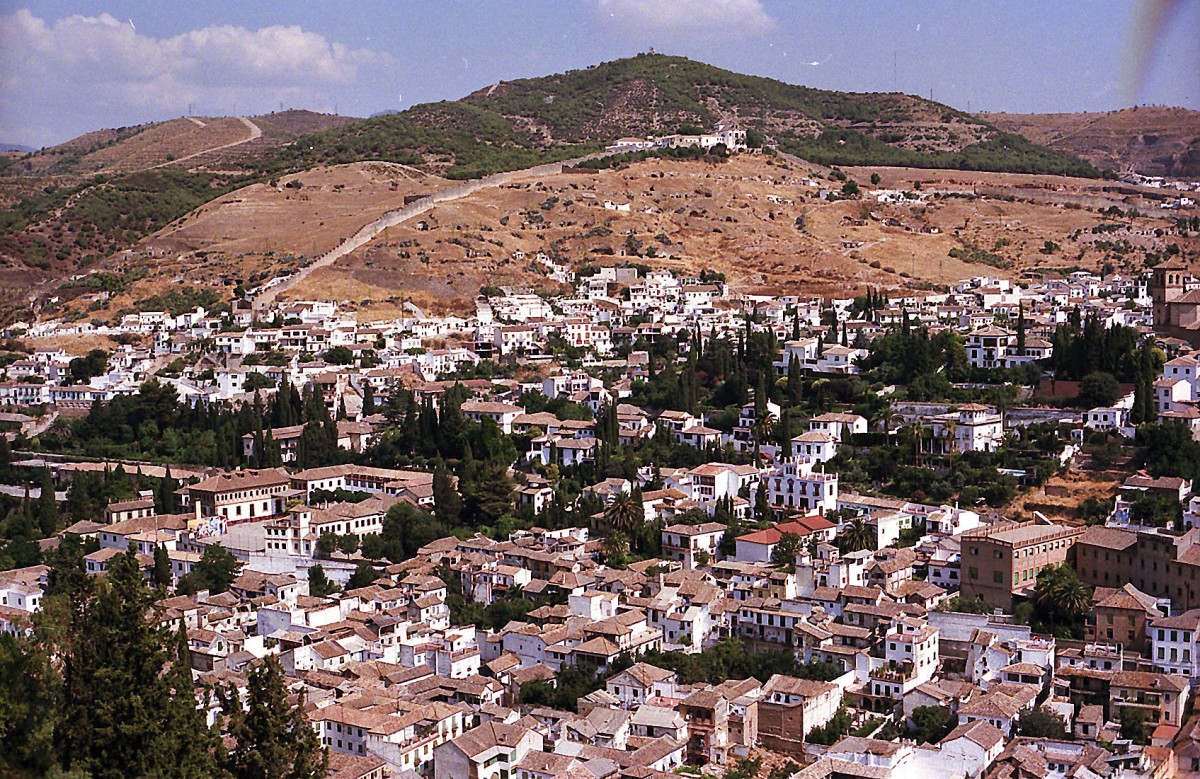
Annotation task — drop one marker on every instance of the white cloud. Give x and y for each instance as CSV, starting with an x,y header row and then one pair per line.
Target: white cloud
x,y
101,67
710,18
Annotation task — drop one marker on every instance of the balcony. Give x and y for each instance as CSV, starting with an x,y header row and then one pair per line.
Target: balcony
x,y
893,673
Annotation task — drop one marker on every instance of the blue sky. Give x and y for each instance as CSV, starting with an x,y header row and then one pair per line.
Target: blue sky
x,y
70,67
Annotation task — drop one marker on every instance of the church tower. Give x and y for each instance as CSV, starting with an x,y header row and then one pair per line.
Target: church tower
x,y
1169,278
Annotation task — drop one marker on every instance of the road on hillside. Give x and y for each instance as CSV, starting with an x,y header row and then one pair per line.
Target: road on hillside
x,y
265,296
255,134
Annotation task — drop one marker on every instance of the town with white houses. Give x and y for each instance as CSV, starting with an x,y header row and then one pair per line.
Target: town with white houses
x,y
950,534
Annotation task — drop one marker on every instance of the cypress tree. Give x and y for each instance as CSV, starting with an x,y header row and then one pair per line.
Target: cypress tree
x,y
795,383
784,430
762,506
47,506
1021,328
447,505
368,399
272,457
165,494
160,575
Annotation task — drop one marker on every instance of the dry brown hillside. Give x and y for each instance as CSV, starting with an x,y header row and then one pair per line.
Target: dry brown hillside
x,y
1150,141
760,221
767,223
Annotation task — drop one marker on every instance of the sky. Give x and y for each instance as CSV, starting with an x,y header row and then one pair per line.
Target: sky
x,y
70,67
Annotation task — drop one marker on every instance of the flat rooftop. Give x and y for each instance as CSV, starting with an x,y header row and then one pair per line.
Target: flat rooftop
x,y
1027,534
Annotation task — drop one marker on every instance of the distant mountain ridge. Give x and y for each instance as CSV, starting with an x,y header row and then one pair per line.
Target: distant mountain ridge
x,y
1152,141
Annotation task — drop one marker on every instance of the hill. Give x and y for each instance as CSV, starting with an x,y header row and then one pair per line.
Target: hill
x,y
1146,140
73,205
766,222
131,149
513,124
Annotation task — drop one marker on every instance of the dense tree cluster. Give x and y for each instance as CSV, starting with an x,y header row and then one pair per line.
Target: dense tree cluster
x,y
101,689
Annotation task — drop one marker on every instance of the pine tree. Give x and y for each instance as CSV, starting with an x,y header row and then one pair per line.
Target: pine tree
x,y
493,494
196,754
273,740
121,715
319,585
28,707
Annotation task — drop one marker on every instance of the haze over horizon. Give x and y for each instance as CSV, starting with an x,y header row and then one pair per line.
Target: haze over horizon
x,y
72,67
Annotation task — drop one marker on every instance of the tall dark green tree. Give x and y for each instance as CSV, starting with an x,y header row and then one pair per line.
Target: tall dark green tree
x,y
492,496
318,441
164,495
215,571
271,738
368,398
122,715
762,504
28,707
47,505
447,504
160,575
319,585
1021,328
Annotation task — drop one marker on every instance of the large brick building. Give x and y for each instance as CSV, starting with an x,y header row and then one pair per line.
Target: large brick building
x,y
1161,564
1001,561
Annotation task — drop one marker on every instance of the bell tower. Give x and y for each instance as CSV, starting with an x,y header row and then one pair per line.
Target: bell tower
x,y
1169,278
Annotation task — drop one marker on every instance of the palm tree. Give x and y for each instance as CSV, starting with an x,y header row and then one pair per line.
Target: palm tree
x,y
624,513
614,545
858,535
1060,595
951,429
917,431
60,430
885,419
1075,599
764,425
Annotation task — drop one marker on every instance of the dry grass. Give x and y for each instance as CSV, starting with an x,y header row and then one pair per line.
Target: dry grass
x,y
726,224
1078,487
739,218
